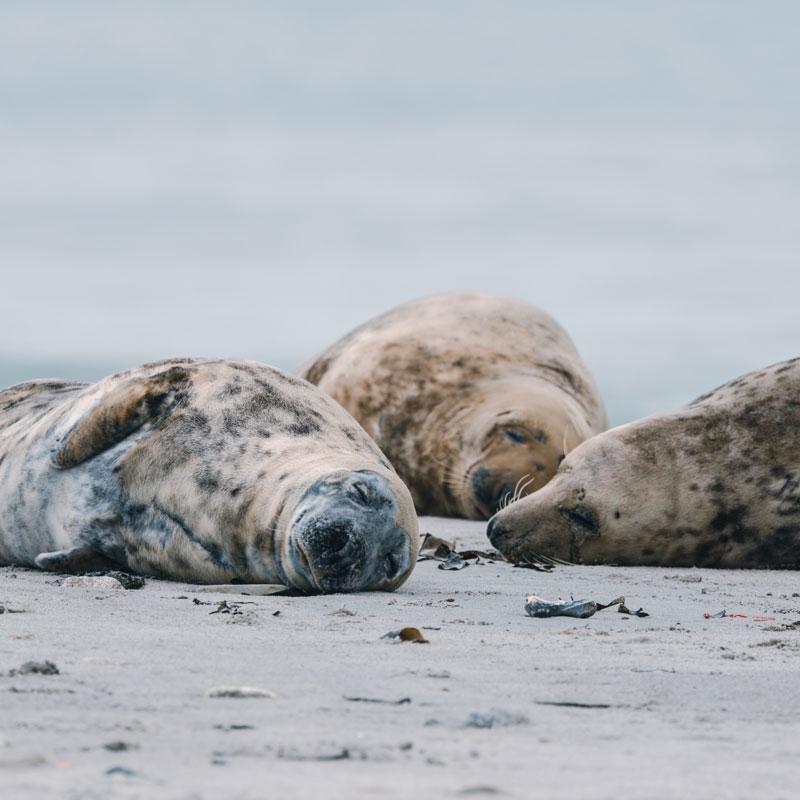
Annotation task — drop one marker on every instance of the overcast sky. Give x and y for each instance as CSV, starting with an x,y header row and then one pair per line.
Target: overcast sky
x,y
252,179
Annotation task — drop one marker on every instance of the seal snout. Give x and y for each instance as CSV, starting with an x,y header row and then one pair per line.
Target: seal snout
x,y
344,537
485,490
498,533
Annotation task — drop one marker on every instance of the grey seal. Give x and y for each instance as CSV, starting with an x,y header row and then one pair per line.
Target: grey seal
x,y
474,398
208,471
713,484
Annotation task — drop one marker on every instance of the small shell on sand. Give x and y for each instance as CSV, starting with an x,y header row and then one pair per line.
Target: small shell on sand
x,y
240,691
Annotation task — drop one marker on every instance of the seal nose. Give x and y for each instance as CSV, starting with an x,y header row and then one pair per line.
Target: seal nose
x,y
497,532
482,487
486,491
336,554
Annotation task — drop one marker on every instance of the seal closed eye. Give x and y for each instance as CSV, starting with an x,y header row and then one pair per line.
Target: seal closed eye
x,y
204,471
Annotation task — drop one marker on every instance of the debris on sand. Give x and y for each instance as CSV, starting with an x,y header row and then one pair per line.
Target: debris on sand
x,y
224,607
684,578
434,547
120,747
571,704
259,589
92,582
534,565
581,609
235,727
789,626
477,555
36,668
406,635
378,700
126,580
725,615
493,719
121,772
451,559
240,692
342,754
640,612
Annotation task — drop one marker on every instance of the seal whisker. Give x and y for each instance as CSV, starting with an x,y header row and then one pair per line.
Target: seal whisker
x,y
524,486
516,488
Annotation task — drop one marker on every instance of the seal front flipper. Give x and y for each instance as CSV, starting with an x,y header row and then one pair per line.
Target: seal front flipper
x,y
120,412
75,559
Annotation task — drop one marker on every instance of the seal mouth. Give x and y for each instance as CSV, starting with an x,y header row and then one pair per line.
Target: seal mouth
x,y
485,494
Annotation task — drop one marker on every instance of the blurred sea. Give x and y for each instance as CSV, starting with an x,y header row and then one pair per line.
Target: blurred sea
x,y
253,179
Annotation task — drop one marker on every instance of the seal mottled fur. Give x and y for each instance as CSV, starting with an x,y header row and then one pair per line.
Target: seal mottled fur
x,y
714,484
205,471
472,397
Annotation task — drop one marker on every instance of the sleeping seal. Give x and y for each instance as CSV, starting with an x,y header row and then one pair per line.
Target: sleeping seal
x,y
714,484
472,397
204,471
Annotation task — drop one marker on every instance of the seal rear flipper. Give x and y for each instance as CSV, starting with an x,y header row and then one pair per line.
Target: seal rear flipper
x,y
75,559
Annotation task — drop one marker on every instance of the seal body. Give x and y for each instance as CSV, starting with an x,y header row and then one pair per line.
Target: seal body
x,y
472,397
205,471
714,484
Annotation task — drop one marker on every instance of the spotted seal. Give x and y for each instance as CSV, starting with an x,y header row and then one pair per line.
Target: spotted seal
x,y
471,396
208,471
714,484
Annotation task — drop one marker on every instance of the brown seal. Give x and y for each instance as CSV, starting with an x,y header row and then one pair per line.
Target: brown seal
x,y
205,471
474,398
714,484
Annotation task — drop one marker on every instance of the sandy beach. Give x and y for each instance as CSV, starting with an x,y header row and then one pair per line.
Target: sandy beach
x,y
672,705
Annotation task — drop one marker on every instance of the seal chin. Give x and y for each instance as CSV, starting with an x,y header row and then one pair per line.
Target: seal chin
x,y
343,536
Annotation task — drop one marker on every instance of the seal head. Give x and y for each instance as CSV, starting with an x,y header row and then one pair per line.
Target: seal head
x,y
511,442
344,535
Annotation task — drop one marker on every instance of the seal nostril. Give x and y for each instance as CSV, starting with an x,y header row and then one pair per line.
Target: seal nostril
x,y
392,566
333,539
496,531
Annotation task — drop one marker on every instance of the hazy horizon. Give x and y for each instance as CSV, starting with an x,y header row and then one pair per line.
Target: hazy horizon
x,y
253,181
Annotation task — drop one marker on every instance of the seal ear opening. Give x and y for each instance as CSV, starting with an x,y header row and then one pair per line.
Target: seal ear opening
x,y
119,413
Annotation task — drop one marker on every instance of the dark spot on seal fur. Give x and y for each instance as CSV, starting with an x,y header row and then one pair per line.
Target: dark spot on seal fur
x,y
731,523
207,481
304,428
782,547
